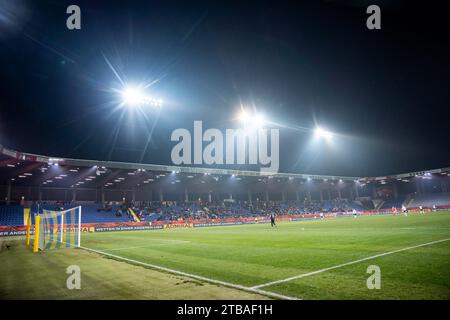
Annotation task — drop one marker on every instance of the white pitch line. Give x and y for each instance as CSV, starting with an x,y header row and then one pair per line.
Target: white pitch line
x,y
345,264
193,276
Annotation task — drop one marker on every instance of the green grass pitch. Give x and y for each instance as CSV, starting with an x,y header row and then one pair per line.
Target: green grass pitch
x,y
246,255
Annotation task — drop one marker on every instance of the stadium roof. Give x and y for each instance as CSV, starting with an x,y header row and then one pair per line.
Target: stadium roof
x,y
32,169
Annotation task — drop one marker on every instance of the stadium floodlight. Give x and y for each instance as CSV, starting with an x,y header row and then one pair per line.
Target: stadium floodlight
x,y
135,97
132,96
323,134
260,120
251,120
244,117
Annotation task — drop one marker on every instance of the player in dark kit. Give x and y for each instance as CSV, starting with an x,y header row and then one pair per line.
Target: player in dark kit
x,y
272,220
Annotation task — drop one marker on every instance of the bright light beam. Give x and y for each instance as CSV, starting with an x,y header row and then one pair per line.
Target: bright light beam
x,y
251,120
244,117
323,134
134,96
260,120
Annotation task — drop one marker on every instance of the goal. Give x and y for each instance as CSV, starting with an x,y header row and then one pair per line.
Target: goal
x,y
57,229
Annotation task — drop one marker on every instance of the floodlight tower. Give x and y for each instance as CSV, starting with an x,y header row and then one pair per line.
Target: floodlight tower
x,y
135,98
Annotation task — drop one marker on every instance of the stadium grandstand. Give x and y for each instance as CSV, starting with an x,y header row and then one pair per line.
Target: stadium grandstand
x,y
115,192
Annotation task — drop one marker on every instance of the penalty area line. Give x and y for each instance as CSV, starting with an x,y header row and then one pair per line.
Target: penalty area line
x,y
346,264
193,276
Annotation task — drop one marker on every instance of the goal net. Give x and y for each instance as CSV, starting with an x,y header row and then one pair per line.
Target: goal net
x,y
58,229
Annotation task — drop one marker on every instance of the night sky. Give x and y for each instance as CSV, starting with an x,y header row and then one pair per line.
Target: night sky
x,y
385,93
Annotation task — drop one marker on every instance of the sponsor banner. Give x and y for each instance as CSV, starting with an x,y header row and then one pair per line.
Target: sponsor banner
x,y
19,155
228,223
132,226
10,233
6,231
178,225
126,228
216,224
73,229
83,229
17,231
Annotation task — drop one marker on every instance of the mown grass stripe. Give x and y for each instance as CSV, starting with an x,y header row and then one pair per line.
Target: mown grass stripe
x,y
193,276
345,264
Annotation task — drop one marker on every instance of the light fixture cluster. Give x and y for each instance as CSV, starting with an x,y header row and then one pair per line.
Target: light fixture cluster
x,y
252,120
135,97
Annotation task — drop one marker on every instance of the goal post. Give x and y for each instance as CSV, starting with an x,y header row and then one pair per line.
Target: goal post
x,y
57,229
